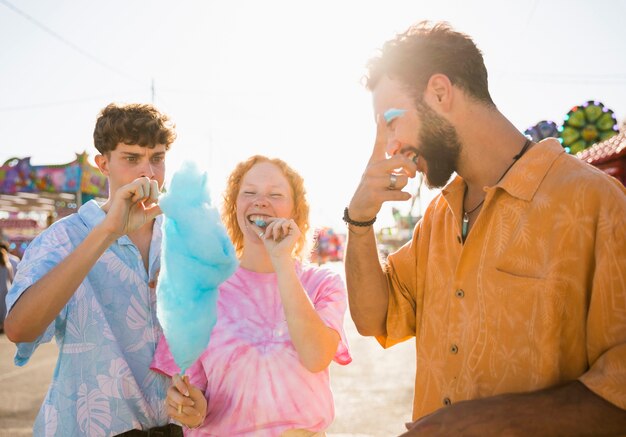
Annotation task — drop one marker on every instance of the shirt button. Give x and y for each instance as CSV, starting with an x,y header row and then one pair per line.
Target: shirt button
x,y
447,401
459,293
454,349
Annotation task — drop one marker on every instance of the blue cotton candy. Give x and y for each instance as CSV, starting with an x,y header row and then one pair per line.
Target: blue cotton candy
x,y
197,256
260,223
392,113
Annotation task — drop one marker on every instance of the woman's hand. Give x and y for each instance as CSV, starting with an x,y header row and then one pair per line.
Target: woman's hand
x,y
280,237
185,402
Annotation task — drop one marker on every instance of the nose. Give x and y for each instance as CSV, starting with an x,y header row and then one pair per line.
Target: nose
x,y
393,147
147,170
260,200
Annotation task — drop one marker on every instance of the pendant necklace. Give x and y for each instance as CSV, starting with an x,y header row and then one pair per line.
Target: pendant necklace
x,y
465,223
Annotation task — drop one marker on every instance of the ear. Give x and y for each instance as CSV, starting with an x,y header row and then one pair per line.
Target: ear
x,y
102,161
439,92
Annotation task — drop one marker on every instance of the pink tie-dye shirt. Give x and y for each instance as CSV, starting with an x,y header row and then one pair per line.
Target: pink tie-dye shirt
x,y
250,371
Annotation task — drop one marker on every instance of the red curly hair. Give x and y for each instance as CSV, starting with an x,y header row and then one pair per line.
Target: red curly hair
x,y
300,203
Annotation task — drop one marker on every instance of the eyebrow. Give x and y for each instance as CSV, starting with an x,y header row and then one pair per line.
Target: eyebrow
x,y
250,185
135,154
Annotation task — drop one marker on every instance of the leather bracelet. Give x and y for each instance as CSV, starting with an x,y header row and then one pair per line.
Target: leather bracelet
x,y
348,220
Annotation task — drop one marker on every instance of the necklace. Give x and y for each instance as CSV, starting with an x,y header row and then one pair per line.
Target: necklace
x,y
465,224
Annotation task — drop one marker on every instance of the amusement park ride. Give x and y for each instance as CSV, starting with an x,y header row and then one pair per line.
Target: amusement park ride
x,y
34,196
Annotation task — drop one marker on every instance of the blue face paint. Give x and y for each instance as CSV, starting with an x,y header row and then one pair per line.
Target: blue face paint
x,y
393,113
260,223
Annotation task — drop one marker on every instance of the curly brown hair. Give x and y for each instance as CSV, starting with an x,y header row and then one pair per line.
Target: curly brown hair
x,y
300,203
426,49
132,124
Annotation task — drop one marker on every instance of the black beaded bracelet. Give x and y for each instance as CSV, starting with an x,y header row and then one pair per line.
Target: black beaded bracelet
x,y
348,220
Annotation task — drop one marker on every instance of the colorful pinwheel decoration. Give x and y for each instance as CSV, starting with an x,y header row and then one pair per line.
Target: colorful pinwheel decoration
x,y
586,125
542,130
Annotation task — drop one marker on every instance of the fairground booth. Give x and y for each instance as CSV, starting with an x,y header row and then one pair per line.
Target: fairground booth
x,y
609,156
32,197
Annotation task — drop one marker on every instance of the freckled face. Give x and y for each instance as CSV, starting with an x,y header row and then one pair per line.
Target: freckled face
x,y
265,192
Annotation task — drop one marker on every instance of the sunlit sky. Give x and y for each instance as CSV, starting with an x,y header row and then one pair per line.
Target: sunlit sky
x,y
280,78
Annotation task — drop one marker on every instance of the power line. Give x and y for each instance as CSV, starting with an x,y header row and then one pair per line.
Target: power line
x,y
65,41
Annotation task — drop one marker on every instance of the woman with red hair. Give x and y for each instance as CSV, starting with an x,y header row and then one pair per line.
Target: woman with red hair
x,y
279,325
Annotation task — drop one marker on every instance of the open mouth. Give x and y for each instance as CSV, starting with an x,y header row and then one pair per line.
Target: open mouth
x,y
259,220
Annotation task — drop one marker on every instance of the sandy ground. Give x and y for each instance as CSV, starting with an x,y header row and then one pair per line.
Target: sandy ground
x,y
373,394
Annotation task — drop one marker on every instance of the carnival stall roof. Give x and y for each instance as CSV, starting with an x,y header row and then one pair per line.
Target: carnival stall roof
x,y
609,156
53,188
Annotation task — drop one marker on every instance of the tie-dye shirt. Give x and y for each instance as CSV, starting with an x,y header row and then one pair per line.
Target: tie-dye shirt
x,y
106,335
250,372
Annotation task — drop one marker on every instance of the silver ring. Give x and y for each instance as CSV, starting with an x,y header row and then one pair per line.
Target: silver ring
x,y
392,181
261,234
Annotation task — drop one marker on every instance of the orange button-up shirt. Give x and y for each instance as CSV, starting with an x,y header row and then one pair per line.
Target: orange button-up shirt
x,y
536,296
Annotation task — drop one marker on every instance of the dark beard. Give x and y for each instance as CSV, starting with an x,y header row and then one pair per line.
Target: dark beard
x,y
439,146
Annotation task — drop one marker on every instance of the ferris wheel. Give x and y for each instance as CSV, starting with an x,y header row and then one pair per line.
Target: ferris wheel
x,y
585,125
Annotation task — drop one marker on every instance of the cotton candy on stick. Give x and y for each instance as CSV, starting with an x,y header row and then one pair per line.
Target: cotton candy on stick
x,y
196,257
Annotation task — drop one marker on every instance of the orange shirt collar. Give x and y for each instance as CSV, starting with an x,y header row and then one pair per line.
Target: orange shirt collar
x,y
524,178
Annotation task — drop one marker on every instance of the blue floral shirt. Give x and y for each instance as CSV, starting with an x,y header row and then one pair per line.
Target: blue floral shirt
x,y
106,333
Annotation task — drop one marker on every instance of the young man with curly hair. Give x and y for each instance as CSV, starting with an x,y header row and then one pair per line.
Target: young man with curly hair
x,y
87,280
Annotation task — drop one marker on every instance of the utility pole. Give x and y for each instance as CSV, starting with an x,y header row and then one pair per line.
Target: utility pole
x,y
152,89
